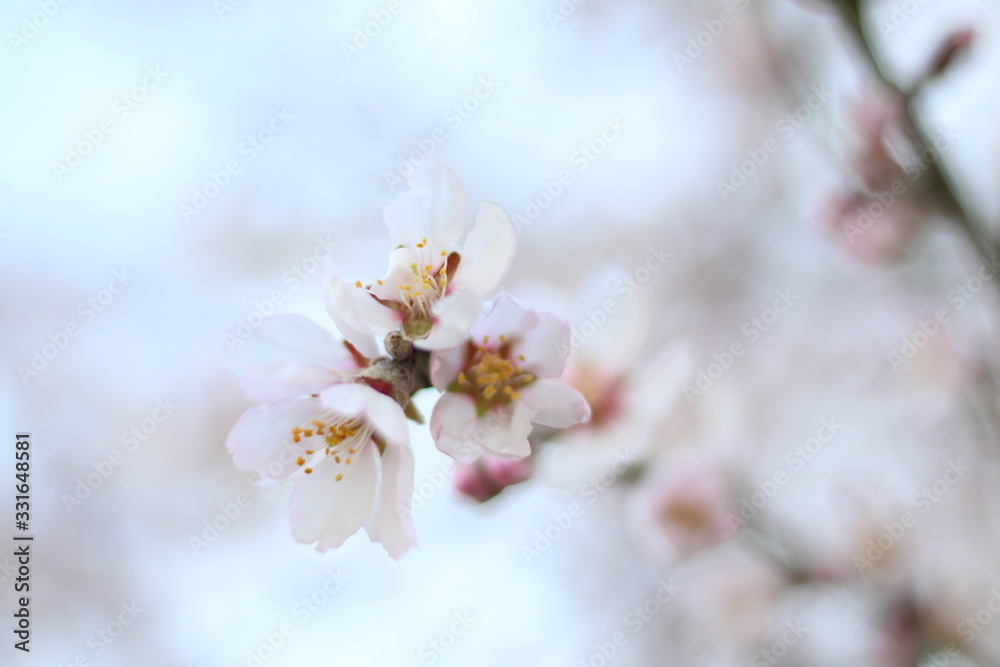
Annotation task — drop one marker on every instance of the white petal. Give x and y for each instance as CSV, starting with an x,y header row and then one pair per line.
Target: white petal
x,y
453,315
341,305
544,346
379,319
400,273
461,434
386,415
446,365
488,251
453,423
345,399
556,404
433,208
382,412
283,338
261,440
330,511
279,382
507,431
395,517
503,314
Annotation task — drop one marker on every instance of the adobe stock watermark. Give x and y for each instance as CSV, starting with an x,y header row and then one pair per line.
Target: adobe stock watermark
x,y
563,11
455,116
635,620
900,14
714,28
771,655
796,459
786,127
121,108
131,440
370,29
927,329
967,629
247,151
436,647
223,8
87,310
884,200
104,637
752,330
562,522
626,288
301,612
293,278
581,158
923,503
229,513
435,480
32,25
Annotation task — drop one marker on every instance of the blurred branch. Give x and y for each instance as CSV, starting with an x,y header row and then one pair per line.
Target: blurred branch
x,y
941,184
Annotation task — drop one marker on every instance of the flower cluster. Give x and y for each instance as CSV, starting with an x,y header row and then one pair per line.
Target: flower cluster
x,y
333,413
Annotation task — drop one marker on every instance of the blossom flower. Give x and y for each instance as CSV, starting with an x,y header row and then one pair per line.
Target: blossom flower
x,y
879,216
488,477
679,508
433,289
344,443
501,381
637,399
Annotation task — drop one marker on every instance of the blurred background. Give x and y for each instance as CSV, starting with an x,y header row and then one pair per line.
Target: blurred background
x,y
173,171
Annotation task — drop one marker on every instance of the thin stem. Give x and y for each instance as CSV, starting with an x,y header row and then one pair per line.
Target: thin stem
x,y
941,184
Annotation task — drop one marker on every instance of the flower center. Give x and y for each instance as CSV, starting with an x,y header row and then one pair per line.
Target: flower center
x,y
490,376
331,436
425,287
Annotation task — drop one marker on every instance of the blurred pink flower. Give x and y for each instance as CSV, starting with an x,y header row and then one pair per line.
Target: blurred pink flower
x,y
679,507
878,216
489,476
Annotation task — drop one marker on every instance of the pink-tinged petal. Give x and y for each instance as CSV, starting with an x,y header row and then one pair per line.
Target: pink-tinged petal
x,y
346,399
488,251
460,433
544,346
503,314
433,208
386,415
261,440
382,412
453,315
282,338
556,404
399,274
445,366
341,304
380,319
507,431
453,424
330,511
488,477
394,525
280,382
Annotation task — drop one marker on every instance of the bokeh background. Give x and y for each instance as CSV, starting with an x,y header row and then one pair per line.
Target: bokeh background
x,y
534,82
